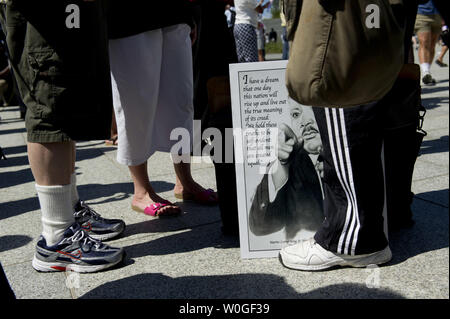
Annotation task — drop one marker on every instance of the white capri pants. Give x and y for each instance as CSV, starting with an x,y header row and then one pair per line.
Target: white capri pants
x,y
152,83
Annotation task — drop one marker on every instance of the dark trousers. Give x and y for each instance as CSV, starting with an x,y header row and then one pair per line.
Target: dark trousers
x,y
212,53
357,177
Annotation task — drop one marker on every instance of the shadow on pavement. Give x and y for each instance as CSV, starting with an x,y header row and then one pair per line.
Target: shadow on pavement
x,y
439,198
434,102
89,193
248,286
87,153
9,179
112,192
116,192
434,89
14,131
14,161
13,242
18,207
430,231
186,240
435,146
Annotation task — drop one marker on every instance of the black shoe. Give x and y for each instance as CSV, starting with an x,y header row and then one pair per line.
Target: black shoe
x,y
441,64
96,226
428,80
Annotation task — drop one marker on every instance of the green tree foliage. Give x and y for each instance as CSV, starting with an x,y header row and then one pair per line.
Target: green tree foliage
x,y
275,9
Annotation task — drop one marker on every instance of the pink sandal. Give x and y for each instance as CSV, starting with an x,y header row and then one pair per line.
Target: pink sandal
x,y
153,209
203,198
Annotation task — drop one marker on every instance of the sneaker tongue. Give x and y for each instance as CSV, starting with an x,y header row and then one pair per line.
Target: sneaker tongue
x,y
78,206
72,230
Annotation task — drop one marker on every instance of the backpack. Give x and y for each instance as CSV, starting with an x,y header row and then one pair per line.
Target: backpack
x,y
346,52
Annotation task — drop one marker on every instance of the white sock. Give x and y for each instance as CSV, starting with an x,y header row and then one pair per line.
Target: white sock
x,y
57,211
425,68
75,196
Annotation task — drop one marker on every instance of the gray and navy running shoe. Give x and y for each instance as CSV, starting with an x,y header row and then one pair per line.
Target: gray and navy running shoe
x,y
96,226
76,251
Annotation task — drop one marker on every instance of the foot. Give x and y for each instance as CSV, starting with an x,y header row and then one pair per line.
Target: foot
x,y
195,192
310,256
428,80
149,203
441,64
96,226
113,141
76,251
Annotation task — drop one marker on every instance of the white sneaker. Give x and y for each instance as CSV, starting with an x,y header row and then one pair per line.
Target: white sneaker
x,y
310,256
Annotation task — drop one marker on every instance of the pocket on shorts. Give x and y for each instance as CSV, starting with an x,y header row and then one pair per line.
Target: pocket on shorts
x,y
43,72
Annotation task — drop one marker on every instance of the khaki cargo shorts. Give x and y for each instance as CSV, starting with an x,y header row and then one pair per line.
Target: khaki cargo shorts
x,y
428,23
62,73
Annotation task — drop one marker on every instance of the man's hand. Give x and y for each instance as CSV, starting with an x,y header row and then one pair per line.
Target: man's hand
x,y
279,171
287,143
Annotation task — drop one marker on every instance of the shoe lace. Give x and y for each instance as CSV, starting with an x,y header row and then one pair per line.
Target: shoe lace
x,y
81,236
87,211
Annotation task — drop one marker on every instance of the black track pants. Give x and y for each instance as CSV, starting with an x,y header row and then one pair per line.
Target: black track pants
x,y
353,179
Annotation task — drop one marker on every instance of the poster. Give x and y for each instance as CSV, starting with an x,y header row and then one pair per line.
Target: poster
x,y
277,146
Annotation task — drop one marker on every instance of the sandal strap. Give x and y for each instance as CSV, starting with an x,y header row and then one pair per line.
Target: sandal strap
x,y
153,209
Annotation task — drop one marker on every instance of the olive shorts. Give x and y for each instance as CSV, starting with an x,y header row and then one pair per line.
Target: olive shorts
x,y
62,71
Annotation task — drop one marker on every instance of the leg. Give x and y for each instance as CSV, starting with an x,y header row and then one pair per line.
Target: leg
x,y
261,55
136,84
353,182
51,165
144,194
187,188
96,226
73,177
434,41
425,42
135,77
440,59
113,140
353,232
50,146
426,54
3,90
177,60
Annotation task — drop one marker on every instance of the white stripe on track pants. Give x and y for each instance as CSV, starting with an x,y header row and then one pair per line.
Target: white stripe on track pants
x,y
353,179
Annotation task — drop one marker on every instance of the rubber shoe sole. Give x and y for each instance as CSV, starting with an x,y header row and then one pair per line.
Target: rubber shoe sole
x,y
359,261
42,266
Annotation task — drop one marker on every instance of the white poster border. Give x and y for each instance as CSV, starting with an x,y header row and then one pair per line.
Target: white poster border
x,y
235,70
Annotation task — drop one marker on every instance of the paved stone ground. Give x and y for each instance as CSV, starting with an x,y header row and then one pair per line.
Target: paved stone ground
x,y
187,257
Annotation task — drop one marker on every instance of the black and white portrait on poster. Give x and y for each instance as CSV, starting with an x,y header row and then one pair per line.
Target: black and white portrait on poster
x,y
278,162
